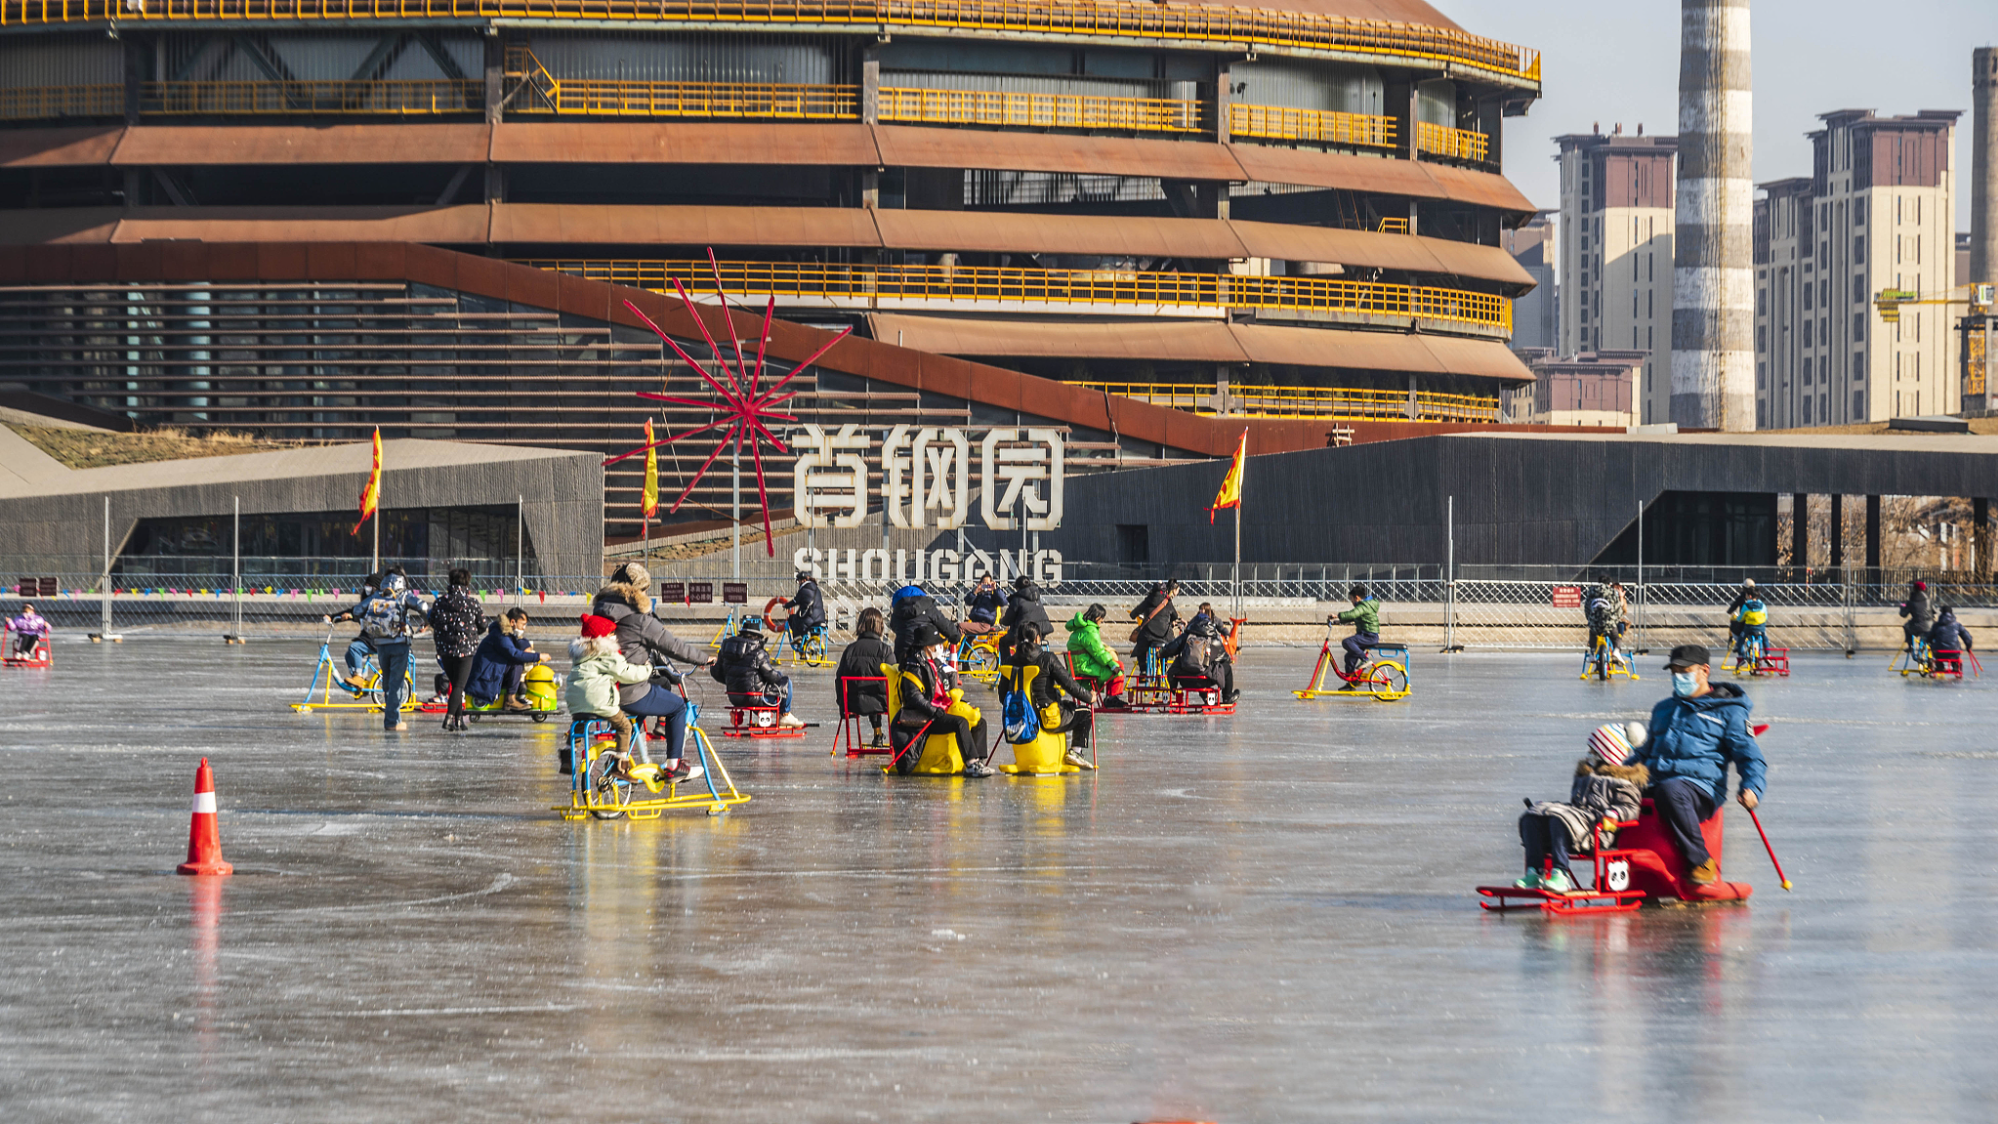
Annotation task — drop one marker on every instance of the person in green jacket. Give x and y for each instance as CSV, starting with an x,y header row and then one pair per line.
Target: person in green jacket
x,y
1094,661
1365,617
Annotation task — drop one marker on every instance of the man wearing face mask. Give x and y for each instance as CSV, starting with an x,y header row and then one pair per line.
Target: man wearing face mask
x,y
1694,736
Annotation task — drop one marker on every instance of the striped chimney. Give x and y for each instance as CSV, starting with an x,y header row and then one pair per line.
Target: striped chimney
x,y
1713,267
1984,167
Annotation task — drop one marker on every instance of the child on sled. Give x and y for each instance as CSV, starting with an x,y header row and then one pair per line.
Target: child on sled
x,y
1605,792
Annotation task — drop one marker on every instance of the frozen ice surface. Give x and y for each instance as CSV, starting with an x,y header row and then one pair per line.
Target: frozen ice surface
x,y
1253,919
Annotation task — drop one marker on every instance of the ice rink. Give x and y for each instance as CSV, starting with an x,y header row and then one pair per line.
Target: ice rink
x,y
1263,918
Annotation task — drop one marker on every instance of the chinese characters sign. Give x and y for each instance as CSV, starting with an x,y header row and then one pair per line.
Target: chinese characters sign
x,y
926,477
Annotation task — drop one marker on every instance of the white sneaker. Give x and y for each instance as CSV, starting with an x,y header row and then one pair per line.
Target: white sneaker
x,y
791,722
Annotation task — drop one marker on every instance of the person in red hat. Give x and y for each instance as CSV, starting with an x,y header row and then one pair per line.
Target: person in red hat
x,y
591,689
1921,615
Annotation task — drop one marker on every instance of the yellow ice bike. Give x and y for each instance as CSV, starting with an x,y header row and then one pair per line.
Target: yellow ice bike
x,y
1383,678
327,678
608,788
1606,661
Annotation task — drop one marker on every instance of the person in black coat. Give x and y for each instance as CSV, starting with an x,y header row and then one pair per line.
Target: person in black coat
x,y
857,685
1921,618
1155,616
1023,608
911,609
1948,635
750,678
807,609
925,692
1055,685
1200,658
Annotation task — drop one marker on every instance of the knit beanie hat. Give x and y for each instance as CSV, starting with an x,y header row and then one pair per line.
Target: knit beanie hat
x,y
1614,741
595,626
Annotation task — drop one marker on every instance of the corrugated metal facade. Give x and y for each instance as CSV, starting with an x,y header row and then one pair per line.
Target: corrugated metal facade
x,y
61,60
1032,84
707,58
1299,84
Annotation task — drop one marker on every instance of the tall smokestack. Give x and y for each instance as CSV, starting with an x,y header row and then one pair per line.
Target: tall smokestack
x,y
1713,274
1984,166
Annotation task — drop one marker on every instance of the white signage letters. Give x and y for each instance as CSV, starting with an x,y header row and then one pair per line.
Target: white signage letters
x,y
926,478
827,478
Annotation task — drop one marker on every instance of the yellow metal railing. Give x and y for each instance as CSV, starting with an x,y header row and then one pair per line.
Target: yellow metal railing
x,y
1457,144
442,95
1331,403
870,285
1393,226
697,99
1317,126
1232,27
1038,111
32,103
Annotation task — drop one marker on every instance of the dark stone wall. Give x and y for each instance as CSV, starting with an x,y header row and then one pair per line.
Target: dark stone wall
x,y
1519,500
64,530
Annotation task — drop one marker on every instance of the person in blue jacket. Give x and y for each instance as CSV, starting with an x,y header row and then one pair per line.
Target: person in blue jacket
x,y
502,658
1694,736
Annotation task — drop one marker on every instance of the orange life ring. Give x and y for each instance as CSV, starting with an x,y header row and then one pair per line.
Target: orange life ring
x,y
770,625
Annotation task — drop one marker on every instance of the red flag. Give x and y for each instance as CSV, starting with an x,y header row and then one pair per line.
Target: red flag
x,y
1231,486
372,494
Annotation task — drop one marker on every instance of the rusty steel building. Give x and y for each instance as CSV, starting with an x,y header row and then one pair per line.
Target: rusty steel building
x,y
1127,219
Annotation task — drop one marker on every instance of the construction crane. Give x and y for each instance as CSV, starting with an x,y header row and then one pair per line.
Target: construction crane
x,y
1889,301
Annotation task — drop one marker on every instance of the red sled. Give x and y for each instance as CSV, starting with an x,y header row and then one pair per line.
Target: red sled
x,y
1149,695
42,655
760,722
1642,864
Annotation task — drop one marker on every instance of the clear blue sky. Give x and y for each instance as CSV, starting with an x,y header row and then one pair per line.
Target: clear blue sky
x,y
1618,60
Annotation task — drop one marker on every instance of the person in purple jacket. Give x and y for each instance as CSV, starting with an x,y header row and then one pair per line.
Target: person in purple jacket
x,y
30,630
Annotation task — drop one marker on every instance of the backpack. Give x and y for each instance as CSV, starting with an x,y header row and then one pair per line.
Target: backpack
x,y
381,616
1754,612
1018,718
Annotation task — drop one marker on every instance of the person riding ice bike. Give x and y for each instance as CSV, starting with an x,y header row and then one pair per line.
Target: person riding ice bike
x,y
1750,627
1608,611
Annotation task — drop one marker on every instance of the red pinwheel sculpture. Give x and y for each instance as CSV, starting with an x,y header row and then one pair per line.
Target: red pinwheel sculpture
x,y
744,403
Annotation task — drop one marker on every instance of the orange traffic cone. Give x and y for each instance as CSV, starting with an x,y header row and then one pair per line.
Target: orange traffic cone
x,y
204,841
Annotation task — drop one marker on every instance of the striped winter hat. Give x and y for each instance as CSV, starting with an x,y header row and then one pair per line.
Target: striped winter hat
x,y
1613,741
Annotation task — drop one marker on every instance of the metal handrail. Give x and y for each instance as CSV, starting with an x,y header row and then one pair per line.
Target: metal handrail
x,y
1129,19
33,103
869,285
1457,144
1317,126
1357,403
439,95
1039,111
699,99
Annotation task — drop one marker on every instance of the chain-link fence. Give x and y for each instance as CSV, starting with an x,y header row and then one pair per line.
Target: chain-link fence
x,y
1285,604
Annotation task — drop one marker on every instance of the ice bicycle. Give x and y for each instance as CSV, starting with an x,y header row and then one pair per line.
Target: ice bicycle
x,y
367,697
1606,660
1383,677
602,787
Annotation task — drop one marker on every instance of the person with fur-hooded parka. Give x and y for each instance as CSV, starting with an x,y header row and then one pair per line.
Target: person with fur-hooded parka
x,y
641,638
1606,791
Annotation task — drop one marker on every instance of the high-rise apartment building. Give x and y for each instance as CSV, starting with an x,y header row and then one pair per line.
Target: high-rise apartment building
x,y
1878,212
1536,317
1616,254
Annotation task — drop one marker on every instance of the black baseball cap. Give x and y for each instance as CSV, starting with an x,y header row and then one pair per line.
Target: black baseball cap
x,y
1689,655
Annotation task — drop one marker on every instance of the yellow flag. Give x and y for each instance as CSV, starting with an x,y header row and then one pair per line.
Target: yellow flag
x,y
648,500
372,494
1231,487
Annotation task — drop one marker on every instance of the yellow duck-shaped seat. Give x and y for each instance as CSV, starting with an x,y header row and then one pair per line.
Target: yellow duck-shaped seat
x,y
941,755
1044,755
